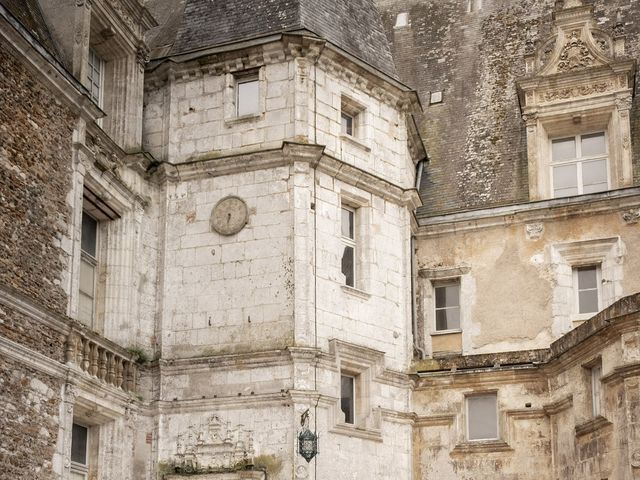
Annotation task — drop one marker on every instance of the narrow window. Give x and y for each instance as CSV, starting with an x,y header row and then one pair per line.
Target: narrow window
x,y
346,124
347,398
79,452
95,77
482,417
587,288
447,306
402,20
596,389
579,165
348,218
248,95
88,267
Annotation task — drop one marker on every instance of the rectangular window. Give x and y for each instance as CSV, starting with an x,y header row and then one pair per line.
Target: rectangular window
x,y
247,95
347,398
579,165
79,452
88,268
346,124
348,219
482,417
95,77
447,305
587,288
596,389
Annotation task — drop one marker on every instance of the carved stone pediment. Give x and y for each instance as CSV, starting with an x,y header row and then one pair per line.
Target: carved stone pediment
x,y
579,60
577,43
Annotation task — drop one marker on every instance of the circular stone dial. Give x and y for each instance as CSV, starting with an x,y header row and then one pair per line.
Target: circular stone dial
x,y
229,216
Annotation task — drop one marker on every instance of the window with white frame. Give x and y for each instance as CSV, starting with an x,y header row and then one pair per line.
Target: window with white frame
x,y
95,77
79,452
482,417
579,164
348,398
447,305
348,234
247,94
586,281
596,390
88,269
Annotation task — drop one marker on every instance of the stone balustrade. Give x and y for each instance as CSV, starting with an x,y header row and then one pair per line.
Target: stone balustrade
x,y
94,357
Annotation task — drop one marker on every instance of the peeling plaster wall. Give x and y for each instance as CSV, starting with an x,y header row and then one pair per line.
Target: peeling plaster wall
x,y
505,263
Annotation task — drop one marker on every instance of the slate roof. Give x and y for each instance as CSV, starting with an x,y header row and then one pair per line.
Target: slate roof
x,y
352,25
28,13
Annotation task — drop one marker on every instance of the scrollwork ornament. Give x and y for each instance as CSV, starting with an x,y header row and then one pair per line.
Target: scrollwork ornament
x,y
575,54
635,459
142,56
631,216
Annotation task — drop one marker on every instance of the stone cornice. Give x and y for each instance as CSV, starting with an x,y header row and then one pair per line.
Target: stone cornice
x,y
290,152
544,210
48,69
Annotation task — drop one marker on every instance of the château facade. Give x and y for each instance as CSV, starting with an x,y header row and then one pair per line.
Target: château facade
x,y
318,239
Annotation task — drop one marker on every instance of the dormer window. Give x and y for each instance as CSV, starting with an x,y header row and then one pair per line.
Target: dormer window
x,y
579,165
576,98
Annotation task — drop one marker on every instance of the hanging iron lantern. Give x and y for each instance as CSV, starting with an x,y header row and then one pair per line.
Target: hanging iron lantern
x,y
307,444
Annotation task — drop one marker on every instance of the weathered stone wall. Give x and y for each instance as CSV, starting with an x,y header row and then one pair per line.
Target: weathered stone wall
x,y
226,294
30,403
547,427
505,261
476,137
35,177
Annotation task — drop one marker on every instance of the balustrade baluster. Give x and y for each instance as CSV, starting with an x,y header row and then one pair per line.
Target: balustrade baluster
x,y
93,366
119,372
102,372
111,369
86,354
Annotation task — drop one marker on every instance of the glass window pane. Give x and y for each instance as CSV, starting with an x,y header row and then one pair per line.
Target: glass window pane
x,y
587,277
347,400
347,124
448,296
563,149
594,176
87,278
248,97
593,144
483,417
588,301
448,318
565,176
89,234
79,444
348,266
347,223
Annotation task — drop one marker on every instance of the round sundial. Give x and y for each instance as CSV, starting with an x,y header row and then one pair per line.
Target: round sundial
x,y
229,215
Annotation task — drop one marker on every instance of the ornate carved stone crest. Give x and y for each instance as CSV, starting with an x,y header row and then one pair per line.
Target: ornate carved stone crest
x,y
575,54
213,445
534,230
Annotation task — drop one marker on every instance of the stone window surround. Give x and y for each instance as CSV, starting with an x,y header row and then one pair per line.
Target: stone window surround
x,y
435,276
94,192
364,365
362,218
230,96
541,130
361,136
609,253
